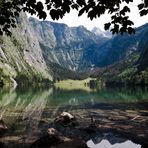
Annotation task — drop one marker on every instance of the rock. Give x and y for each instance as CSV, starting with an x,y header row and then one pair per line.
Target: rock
x,y
52,137
53,132
55,139
3,127
65,119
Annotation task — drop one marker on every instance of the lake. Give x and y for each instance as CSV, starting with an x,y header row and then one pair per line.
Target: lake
x,y
29,112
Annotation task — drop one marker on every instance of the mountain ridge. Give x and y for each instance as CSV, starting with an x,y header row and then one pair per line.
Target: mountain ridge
x,y
81,50
99,32
68,44
46,50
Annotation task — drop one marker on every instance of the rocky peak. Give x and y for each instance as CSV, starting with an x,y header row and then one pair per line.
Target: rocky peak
x,y
101,33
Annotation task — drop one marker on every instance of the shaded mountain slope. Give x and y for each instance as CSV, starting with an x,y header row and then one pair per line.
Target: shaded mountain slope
x,y
120,47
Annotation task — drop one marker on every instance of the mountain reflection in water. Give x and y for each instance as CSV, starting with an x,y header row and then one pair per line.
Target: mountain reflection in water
x,y
106,144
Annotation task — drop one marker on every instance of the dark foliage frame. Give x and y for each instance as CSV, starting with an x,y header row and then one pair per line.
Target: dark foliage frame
x,y
120,22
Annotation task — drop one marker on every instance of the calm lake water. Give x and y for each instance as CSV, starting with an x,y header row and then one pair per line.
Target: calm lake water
x,y
28,112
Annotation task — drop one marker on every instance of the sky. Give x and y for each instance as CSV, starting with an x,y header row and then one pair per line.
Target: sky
x,y
72,18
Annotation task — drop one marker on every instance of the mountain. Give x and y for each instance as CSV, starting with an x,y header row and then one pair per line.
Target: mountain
x,y
22,59
131,70
66,46
42,51
77,49
120,47
21,54
101,33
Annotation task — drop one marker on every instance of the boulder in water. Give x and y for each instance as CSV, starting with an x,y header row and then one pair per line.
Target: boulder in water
x,y
65,119
51,138
55,139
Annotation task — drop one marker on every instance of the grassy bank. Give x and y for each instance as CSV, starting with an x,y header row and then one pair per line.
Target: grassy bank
x,y
75,84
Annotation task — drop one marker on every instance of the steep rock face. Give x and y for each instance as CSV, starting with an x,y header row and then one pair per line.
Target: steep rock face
x,y
65,45
78,49
99,32
32,51
21,53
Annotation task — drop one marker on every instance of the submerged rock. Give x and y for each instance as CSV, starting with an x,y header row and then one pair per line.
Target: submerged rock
x,y
55,139
52,137
65,119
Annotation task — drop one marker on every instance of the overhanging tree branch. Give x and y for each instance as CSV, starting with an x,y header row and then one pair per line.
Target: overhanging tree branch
x,y
120,22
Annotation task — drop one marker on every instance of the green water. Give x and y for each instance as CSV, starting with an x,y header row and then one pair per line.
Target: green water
x,y
22,99
27,112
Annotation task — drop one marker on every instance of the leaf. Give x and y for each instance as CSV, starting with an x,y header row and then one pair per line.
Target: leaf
x,y
2,22
16,13
131,30
75,6
143,12
81,2
107,26
115,30
146,3
58,3
13,25
128,22
42,15
47,1
127,1
124,10
122,30
92,14
48,7
56,14
141,6
66,8
39,6
52,13
81,11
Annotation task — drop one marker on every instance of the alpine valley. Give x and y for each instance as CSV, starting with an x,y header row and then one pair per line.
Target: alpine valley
x,y
68,87
40,52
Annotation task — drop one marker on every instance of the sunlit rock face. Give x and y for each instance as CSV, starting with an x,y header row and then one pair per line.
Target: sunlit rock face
x,y
21,53
106,144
